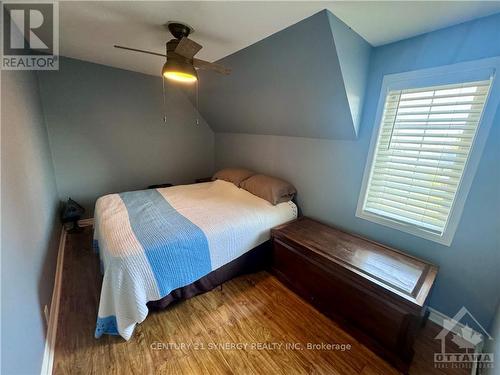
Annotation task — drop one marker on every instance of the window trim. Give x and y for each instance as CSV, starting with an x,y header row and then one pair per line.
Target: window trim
x,y
460,72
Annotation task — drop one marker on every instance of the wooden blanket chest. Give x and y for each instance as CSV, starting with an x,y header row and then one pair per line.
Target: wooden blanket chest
x,y
375,292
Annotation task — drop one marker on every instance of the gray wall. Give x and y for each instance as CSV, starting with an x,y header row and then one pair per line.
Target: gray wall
x,y
107,132
328,173
304,81
30,231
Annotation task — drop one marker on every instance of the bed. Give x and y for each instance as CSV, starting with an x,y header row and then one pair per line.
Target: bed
x,y
153,243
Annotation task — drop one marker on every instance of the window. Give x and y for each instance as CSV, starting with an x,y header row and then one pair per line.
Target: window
x,y
422,150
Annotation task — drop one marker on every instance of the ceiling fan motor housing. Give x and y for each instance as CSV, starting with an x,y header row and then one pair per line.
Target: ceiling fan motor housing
x,y
179,30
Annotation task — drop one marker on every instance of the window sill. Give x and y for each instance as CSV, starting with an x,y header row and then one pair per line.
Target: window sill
x,y
444,239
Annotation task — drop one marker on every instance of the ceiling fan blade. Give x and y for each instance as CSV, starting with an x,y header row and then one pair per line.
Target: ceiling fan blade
x,y
201,64
187,48
140,50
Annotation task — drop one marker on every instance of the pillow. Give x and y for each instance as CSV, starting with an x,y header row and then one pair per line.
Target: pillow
x,y
269,188
234,175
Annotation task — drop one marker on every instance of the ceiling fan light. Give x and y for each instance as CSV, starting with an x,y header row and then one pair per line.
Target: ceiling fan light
x,y
180,77
179,71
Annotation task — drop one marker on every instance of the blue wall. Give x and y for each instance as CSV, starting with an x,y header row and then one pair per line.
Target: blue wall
x,y
304,81
353,53
328,173
107,133
30,225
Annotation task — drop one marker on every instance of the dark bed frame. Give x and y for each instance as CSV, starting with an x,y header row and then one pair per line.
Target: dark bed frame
x,y
252,261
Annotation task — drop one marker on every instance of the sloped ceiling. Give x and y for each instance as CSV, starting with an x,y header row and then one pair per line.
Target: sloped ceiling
x,y
304,81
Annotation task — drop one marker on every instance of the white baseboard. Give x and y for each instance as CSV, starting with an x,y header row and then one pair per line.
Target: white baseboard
x,y
439,318
50,340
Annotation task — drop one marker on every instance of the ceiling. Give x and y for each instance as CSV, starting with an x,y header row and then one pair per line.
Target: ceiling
x,y
88,30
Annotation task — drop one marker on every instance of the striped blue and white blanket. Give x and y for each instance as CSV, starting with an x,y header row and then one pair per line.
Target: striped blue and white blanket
x,y
154,241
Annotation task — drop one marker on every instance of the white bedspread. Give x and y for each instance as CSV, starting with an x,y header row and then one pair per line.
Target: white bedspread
x,y
154,241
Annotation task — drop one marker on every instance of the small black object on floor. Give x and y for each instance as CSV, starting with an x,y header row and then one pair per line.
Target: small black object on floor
x,y
70,214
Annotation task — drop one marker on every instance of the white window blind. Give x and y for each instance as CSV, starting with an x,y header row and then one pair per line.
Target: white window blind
x,y
423,145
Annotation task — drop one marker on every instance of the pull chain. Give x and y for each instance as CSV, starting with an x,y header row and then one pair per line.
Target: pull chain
x,y
197,105
164,100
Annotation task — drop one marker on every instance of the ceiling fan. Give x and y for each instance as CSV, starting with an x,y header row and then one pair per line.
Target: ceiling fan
x,y
180,64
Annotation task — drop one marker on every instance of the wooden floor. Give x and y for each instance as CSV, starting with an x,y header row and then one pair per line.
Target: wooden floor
x,y
186,338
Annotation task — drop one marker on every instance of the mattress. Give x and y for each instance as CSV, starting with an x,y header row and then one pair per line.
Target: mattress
x,y
154,241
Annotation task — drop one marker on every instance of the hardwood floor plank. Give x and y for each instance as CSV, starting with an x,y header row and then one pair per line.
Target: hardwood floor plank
x,y
253,309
